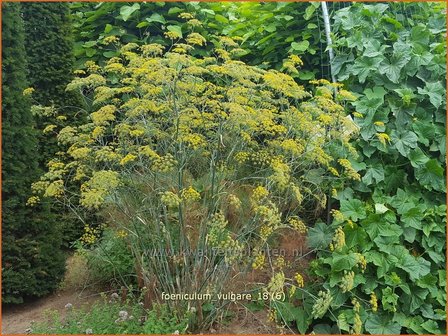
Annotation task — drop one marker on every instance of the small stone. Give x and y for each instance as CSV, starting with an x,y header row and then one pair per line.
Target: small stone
x,y
89,331
68,306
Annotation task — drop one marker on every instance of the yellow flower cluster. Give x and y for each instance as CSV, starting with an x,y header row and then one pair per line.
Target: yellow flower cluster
x,y
338,215
128,159
347,281
90,235
172,35
219,237
152,50
373,302
186,16
55,189
234,201
346,95
276,283
292,63
79,153
259,261
114,68
280,174
351,173
170,199
361,261
148,152
259,193
338,240
272,316
110,39
383,138
284,85
292,146
280,262
196,39
33,200
100,185
298,196
261,158
194,140
297,224
121,234
28,91
270,218
49,129
322,304
190,194
299,280
106,154
164,164
194,23
357,322
104,115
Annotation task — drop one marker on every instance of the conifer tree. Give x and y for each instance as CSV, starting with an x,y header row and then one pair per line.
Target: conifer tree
x,y
32,262
49,47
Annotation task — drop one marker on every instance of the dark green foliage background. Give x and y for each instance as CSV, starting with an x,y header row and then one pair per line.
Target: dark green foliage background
x,y
49,51
32,262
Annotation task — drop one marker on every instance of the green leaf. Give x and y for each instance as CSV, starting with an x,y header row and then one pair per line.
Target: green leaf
x,y
425,131
309,11
435,91
380,208
90,52
413,216
341,262
320,235
354,209
286,311
175,29
404,141
431,175
417,157
142,24
431,327
389,299
110,54
108,28
300,46
302,320
391,67
355,237
127,11
381,324
89,44
375,173
416,267
175,10
306,75
221,19
363,66
156,18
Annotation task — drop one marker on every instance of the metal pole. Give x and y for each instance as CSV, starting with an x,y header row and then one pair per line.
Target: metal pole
x,y
328,35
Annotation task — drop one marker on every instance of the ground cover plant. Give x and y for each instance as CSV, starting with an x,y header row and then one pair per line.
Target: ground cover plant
x,y
210,135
